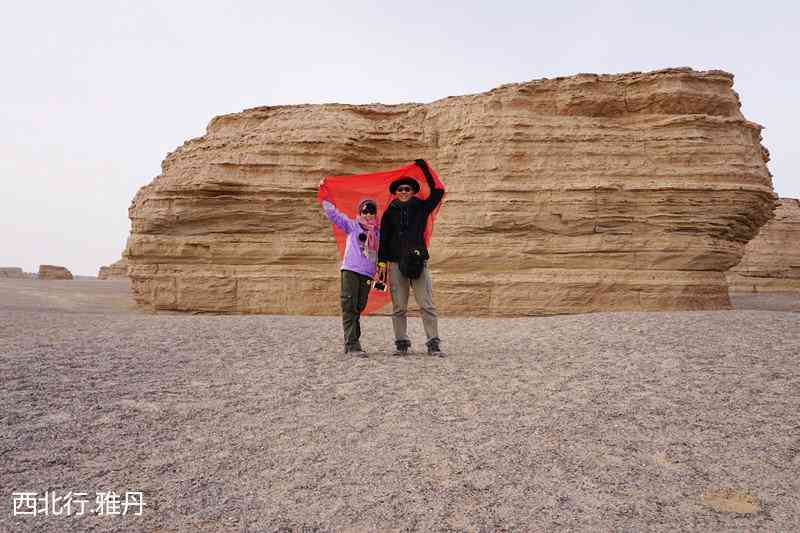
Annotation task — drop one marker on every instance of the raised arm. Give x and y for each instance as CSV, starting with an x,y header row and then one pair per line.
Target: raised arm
x,y
339,219
436,195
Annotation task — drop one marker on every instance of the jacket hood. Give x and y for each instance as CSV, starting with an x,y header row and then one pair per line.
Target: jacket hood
x,y
365,201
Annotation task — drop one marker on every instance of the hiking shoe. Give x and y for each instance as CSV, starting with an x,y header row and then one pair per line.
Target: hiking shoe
x,y
401,348
433,348
356,351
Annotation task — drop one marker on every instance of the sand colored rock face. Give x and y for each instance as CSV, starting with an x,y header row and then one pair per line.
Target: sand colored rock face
x,y
54,272
586,193
12,272
771,261
117,270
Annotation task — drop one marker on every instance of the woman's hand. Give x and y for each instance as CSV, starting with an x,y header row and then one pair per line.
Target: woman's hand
x,y
380,272
325,193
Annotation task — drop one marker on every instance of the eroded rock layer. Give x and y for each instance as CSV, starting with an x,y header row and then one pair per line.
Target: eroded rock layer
x,y
585,193
54,272
13,272
117,270
771,260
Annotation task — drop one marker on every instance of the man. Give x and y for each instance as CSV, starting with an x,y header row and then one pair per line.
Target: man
x,y
402,242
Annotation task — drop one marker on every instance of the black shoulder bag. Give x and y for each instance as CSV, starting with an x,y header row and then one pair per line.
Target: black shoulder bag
x,y
412,262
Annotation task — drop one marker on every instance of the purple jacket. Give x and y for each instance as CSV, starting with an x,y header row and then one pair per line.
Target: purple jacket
x,y
354,258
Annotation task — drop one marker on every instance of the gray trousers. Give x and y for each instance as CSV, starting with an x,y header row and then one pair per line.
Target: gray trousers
x,y
355,292
423,294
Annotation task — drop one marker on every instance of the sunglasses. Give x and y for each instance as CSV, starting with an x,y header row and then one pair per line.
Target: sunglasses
x,y
404,189
369,211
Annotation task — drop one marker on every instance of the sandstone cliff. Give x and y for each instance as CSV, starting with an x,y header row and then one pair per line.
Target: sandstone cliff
x,y
118,270
13,272
585,193
54,272
771,260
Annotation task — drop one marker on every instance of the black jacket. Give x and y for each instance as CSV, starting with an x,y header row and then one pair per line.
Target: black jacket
x,y
403,223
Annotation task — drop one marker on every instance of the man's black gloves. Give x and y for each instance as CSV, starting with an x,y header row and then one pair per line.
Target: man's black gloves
x,y
436,194
424,166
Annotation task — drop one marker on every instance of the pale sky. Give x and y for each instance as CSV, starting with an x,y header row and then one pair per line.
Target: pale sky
x,y
94,94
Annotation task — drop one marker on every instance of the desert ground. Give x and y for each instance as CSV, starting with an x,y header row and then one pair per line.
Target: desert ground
x,y
633,421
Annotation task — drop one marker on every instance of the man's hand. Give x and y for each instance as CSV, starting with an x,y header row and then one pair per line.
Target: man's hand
x,y
425,170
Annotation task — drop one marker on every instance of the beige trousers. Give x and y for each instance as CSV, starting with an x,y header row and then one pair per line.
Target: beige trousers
x,y
423,294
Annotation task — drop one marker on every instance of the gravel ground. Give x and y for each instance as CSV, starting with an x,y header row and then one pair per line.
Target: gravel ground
x,y
608,421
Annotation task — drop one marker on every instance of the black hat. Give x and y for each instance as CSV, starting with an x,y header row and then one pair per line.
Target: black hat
x,y
405,180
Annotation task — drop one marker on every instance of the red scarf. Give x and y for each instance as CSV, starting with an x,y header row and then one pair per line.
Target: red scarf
x,y
348,190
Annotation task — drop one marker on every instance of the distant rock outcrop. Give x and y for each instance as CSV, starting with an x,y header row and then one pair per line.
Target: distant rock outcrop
x,y
54,272
585,193
118,270
13,272
771,261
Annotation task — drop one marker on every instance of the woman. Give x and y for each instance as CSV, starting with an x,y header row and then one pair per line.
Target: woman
x,y
358,266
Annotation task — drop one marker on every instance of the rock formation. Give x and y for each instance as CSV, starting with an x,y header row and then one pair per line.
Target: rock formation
x,y
118,270
584,193
13,272
771,260
54,272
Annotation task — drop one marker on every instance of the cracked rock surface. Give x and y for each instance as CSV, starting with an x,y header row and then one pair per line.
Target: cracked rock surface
x,y
584,193
771,261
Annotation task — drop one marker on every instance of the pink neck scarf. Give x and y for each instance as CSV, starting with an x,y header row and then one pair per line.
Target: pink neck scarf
x,y
371,227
